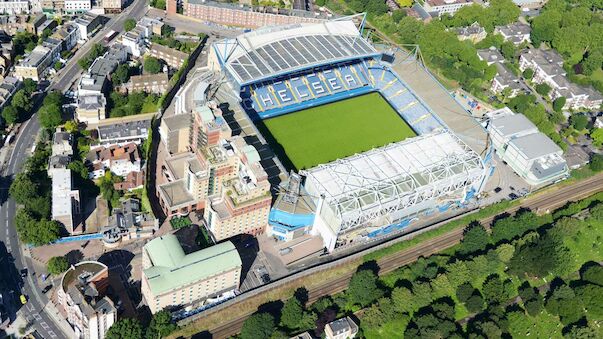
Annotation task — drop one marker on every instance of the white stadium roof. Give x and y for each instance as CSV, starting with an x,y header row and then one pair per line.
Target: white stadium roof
x,y
277,50
387,179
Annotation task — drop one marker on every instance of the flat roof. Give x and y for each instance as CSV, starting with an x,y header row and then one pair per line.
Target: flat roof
x,y
176,194
512,125
535,145
173,269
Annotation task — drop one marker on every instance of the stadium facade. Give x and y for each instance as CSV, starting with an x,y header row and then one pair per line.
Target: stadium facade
x,y
284,69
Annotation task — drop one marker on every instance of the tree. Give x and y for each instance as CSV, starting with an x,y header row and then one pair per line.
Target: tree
x,y
161,325
23,189
363,288
259,325
543,89
125,328
505,252
475,303
129,24
464,292
597,136
578,121
475,238
152,65
29,86
596,162
528,73
292,313
559,103
593,274
10,114
35,232
398,15
494,290
57,265
591,296
22,101
541,256
121,74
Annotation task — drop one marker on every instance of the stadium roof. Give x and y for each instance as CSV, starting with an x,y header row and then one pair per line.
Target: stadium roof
x,y
272,51
368,185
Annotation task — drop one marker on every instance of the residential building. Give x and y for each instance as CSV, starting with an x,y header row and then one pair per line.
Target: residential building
x,y
547,67
6,57
132,181
171,278
175,133
344,328
438,7
90,84
53,6
77,6
128,222
112,6
531,154
184,184
62,143
135,41
119,159
506,79
474,33
124,132
490,55
530,4
172,57
12,7
91,108
516,32
69,35
8,88
156,26
35,23
232,14
35,65
65,200
83,296
149,83
208,128
87,23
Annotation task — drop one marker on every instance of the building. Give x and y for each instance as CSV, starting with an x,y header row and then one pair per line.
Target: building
x,y
128,222
208,128
35,23
474,33
53,6
132,181
69,35
175,133
548,68
531,154
77,6
90,85
149,83
530,4
12,7
135,41
65,200
124,132
35,65
504,80
344,328
83,296
438,7
87,23
171,278
172,57
490,56
91,108
112,6
243,15
62,143
8,88
517,32
119,159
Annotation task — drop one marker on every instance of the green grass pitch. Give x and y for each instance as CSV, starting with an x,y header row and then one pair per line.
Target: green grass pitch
x,y
325,133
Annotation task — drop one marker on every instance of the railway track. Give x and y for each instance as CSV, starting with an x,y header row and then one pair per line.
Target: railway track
x,y
543,203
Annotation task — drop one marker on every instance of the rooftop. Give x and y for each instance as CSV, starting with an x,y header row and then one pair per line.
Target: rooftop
x,y
176,194
490,55
125,130
61,188
535,145
513,125
171,268
91,102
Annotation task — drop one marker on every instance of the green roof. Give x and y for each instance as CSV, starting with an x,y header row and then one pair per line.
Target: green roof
x,y
173,269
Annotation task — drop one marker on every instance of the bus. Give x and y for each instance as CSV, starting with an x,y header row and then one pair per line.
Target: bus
x,y
109,36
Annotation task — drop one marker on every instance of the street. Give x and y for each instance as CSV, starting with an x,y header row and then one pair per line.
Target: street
x,y
39,311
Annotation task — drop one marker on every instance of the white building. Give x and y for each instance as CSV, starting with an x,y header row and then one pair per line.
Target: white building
x,y
86,24
119,159
77,6
12,7
65,200
531,154
439,7
516,32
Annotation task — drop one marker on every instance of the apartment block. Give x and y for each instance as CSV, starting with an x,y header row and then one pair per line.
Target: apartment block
x,y
91,108
83,296
171,278
175,133
112,6
87,23
149,83
13,7
172,57
119,159
439,7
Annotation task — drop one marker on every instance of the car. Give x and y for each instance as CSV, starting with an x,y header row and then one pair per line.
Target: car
x,y
265,278
285,250
497,190
513,196
23,299
24,273
46,289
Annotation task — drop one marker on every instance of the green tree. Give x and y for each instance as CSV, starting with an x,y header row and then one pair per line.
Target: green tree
x,y
596,162
57,265
593,274
505,252
35,232
578,121
129,24
495,290
540,257
543,89
528,73
475,303
121,74
125,328
558,104
363,288
29,86
545,26
22,101
10,114
464,292
152,65
23,189
591,296
259,325
475,238
161,325
398,15
292,313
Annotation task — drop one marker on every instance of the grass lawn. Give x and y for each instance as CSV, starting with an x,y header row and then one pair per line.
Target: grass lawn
x,y
324,133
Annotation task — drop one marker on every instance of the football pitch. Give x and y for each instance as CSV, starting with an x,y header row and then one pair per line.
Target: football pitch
x,y
325,133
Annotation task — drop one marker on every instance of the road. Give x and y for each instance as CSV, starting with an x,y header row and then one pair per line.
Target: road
x,y
43,320
543,202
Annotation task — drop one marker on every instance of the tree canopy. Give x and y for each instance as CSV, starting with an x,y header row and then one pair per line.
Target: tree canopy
x,y
57,265
125,328
259,325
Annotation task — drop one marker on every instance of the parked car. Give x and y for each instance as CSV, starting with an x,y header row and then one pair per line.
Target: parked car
x,y
46,289
23,299
24,273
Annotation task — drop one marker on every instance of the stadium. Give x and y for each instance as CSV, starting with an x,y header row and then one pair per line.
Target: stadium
x,y
367,155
